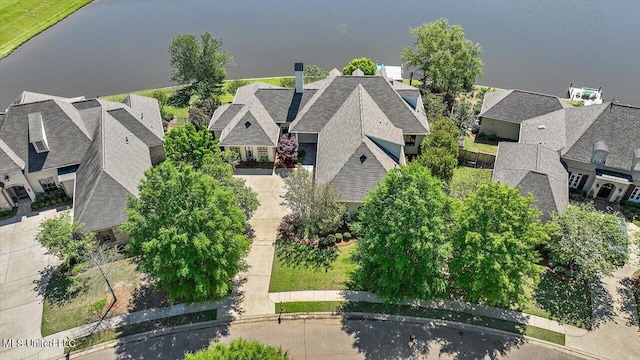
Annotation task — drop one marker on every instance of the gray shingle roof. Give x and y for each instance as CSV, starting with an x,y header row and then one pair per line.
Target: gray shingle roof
x,y
615,125
67,137
283,104
111,170
348,136
245,93
147,111
252,126
223,115
147,131
517,105
9,161
534,169
30,96
318,111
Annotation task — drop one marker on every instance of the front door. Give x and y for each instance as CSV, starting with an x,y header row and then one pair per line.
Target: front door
x,y
249,153
605,190
21,192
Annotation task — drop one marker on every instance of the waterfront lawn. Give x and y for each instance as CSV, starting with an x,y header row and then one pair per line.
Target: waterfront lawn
x,y
406,310
285,278
74,300
20,20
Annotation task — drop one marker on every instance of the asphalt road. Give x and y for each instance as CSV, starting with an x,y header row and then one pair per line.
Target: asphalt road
x,y
344,339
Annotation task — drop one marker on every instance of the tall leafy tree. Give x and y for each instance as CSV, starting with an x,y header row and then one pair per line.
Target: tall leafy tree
x,y
463,116
587,243
367,66
494,256
200,62
61,237
447,60
314,73
466,181
404,236
440,149
191,146
187,232
434,106
240,349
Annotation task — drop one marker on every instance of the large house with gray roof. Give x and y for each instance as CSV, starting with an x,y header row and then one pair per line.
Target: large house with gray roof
x,y
598,146
96,150
354,128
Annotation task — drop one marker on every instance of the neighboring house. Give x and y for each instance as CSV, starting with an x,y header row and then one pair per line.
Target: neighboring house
x,y
503,111
353,128
96,150
534,169
598,145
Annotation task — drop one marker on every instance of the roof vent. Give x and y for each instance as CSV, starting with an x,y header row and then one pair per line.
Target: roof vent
x,y
247,124
542,127
363,158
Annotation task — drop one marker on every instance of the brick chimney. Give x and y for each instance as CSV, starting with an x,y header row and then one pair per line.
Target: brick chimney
x,y
299,69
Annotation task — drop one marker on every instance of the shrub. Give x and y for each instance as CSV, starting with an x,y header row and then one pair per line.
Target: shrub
x,y
492,137
58,200
288,82
49,202
339,237
232,86
35,205
66,198
264,159
180,98
4,213
301,155
347,236
80,267
482,135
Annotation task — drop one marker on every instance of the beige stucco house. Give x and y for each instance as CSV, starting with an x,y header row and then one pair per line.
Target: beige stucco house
x,y
96,150
353,128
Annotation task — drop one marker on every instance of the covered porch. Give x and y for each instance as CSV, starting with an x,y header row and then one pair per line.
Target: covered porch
x,y
610,185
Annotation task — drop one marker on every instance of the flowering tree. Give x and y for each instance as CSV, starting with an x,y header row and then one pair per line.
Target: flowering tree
x,y
287,150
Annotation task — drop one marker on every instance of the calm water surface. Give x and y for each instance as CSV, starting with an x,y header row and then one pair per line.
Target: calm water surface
x,y
114,46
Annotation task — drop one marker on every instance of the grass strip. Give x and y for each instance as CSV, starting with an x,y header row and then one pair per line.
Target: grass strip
x,y
438,314
113,334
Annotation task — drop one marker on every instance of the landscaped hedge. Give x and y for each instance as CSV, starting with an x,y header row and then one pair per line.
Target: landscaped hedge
x,y
50,198
4,213
631,210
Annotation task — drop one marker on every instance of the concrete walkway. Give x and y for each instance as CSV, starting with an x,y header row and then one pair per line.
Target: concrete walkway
x,y
475,309
21,261
255,287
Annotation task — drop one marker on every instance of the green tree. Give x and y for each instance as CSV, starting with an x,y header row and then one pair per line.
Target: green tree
x,y
494,256
439,150
288,82
434,106
466,181
404,229
234,85
587,243
61,237
191,146
240,349
187,232
314,73
463,116
199,62
447,60
316,206
367,66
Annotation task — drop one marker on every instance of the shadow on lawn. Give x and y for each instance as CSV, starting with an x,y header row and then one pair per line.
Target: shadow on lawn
x,y
570,302
629,293
57,288
390,339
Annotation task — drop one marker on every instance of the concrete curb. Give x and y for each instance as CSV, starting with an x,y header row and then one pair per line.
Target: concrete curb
x,y
320,316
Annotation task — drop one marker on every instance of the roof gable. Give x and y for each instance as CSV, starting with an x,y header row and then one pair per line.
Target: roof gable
x,y
517,105
251,126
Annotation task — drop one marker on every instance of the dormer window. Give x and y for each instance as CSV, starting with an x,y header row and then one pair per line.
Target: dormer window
x,y
636,160
37,135
599,154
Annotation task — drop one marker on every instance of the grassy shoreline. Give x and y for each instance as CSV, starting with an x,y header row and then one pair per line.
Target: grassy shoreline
x,y
24,19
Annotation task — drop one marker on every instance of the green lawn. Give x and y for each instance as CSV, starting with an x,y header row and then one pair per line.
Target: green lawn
x,y
285,278
71,301
472,145
338,306
20,20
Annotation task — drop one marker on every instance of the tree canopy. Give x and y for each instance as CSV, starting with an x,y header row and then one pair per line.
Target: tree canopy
x,y
60,236
403,243
466,181
367,66
587,243
191,146
240,349
200,62
314,73
447,60
440,149
287,150
494,256
187,232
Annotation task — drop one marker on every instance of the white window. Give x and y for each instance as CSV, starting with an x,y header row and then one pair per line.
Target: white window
x,y
235,149
597,158
262,153
635,195
48,185
574,180
40,146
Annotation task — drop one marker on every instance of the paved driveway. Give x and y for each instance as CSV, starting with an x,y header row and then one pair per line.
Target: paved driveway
x,y
21,260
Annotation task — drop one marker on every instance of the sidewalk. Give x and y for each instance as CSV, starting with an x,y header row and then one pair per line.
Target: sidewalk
x,y
491,312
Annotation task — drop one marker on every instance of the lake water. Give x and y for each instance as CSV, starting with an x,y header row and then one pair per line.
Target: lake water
x,y
114,46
